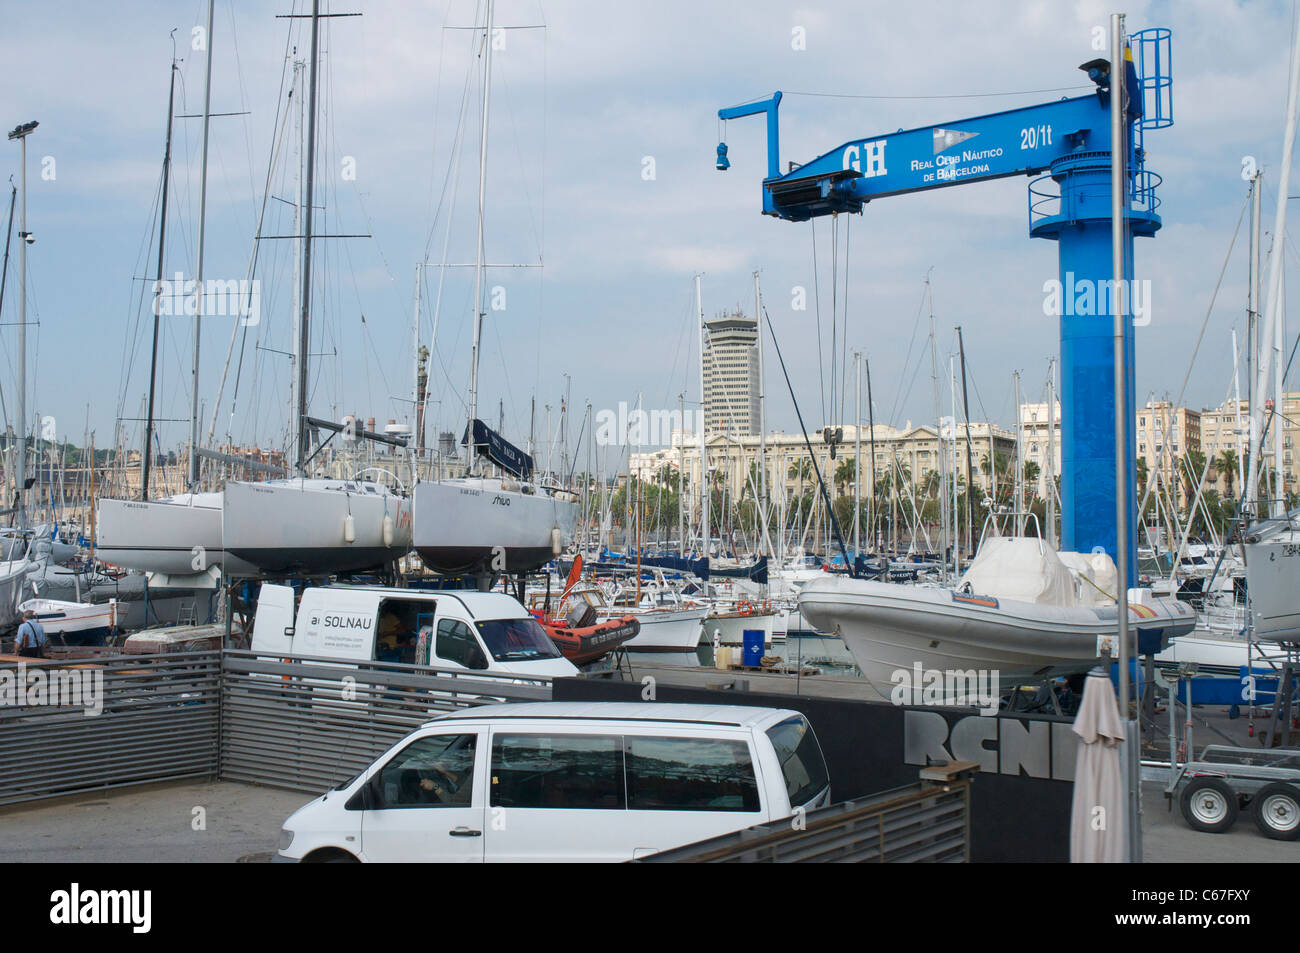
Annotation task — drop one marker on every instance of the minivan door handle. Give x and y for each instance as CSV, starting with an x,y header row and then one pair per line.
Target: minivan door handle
x,y
464,832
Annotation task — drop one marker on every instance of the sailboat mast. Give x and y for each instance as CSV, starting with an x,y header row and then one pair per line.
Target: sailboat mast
x,y
857,458
681,475
478,261
417,418
1267,333
762,421
198,275
295,94
871,431
147,456
970,452
704,451
304,301
1050,502
938,415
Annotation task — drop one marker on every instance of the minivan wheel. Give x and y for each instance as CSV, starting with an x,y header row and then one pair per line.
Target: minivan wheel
x,y
330,855
1276,808
1209,805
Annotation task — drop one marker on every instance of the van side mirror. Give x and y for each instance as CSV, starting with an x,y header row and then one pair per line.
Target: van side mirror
x,y
477,661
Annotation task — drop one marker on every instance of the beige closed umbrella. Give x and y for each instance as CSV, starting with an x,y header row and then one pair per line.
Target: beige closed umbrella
x,y
1098,816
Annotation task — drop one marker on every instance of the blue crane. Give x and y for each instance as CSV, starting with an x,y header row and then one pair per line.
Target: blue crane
x,y
1069,140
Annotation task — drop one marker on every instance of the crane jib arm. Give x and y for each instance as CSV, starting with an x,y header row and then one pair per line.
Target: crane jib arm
x,y
1022,141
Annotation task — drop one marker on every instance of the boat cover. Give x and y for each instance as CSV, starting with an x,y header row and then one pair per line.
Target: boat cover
x,y
1020,568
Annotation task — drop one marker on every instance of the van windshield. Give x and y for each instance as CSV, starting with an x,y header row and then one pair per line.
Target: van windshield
x,y
802,764
517,640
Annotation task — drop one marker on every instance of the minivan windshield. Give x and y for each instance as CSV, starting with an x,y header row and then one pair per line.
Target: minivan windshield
x,y
802,765
517,640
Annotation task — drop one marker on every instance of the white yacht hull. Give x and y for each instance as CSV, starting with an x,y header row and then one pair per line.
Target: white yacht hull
x,y
476,524
75,623
731,627
13,575
178,535
301,526
662,630
252,529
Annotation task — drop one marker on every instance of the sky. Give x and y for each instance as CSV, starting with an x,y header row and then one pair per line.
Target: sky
x,y
601,143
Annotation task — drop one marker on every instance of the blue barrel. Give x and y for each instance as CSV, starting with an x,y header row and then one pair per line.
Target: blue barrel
x,y
751,652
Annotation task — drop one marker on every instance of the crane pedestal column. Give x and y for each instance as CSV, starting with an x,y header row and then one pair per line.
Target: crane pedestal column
x,y
1081,225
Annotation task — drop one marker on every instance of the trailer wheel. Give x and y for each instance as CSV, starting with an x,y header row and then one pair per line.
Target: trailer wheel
x,y
1209,805
1276,808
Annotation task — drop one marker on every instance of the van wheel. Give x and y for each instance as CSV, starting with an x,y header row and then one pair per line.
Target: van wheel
x,y
1276,808
1209,805
330,855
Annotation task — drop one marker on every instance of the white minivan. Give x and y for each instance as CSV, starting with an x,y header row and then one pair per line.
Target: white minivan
x,y
566,781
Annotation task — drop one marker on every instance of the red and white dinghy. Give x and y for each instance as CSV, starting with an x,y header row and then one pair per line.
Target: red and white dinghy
x,y
575,629
582,644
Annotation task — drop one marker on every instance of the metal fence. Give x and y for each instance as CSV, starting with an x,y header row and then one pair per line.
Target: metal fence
x,y
106,722
925,822
308,724
69,726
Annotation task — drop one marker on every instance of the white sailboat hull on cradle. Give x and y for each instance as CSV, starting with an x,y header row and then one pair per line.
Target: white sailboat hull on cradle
x,y
302,525
252,529
178,535
475,524
13,574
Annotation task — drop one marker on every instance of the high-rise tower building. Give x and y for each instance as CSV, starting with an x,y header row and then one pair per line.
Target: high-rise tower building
x,y
731,375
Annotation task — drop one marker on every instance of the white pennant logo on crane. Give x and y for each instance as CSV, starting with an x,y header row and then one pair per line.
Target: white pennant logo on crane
x,y
947,138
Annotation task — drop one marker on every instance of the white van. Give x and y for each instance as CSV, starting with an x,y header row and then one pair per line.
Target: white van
x,y
485,632
566,781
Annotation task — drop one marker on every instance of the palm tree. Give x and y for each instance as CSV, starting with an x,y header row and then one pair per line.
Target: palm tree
x,y
752,482
845,472
800,470
1226,465
1030,473
1142,474
930,483
1193,466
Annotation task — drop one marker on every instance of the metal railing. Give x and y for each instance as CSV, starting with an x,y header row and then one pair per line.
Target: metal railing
x,y
304,724
925,822
309,724
106,722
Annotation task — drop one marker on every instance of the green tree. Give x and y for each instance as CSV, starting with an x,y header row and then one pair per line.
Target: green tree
x,y
1226,464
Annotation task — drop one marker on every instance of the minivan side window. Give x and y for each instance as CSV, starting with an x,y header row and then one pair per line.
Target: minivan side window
x,y
690,774
800,756
434,771
583,772
456,643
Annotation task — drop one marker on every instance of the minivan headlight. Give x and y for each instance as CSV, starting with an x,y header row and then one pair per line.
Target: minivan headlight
x,y
286,838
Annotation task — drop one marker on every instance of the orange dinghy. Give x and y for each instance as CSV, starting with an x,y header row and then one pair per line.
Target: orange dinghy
x,y
581,644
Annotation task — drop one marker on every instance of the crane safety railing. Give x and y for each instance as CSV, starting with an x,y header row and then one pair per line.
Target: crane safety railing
x,y
1044,196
